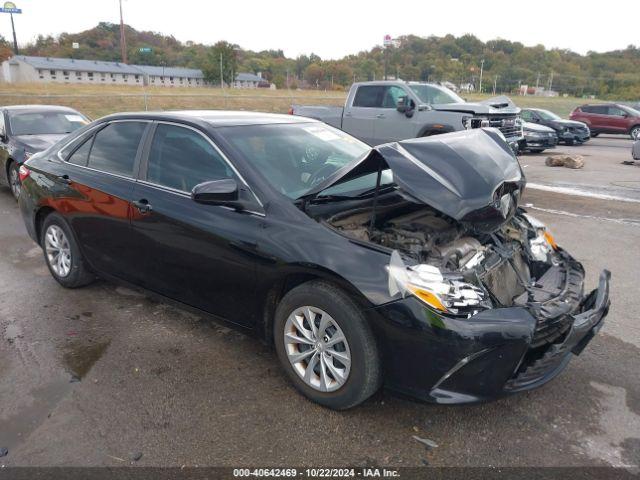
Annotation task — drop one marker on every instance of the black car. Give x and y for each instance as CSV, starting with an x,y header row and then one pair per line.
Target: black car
x,y
569,132
409,264
537,138
29,129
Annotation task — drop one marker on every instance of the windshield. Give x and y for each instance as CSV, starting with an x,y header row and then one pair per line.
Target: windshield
x,y
547,115
42,123
433,94
295,157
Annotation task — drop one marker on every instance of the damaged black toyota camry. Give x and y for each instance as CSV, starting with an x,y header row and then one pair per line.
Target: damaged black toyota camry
x,y
410,265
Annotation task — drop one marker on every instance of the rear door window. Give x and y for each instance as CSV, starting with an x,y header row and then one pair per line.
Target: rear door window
x,y
115,148
599,109
181,158
369,96
616,111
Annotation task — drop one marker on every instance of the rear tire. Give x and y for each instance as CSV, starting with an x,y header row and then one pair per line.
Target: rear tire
x,y
352,370
61,253
594,134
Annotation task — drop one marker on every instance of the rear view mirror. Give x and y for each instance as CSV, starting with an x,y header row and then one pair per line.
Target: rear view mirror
x,y
217,192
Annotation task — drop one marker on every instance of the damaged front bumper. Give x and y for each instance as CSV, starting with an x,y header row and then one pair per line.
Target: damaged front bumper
x,y
494,353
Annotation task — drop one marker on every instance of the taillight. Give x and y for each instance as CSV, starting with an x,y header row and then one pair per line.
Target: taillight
x,y
23,172
290,111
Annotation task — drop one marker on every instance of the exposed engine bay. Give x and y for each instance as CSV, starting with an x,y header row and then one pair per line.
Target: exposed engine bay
x,y
501,267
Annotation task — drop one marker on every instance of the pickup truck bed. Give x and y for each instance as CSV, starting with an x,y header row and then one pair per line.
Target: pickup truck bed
x,y
326,114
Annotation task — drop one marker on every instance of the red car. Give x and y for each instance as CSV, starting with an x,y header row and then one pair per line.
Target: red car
x,y
609,118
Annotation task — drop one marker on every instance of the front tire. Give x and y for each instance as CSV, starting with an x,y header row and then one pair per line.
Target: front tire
x,y
537,150
62,255
14,180
635,133
326,347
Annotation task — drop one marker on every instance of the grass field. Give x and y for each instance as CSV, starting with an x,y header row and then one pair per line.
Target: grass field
x,y
99,100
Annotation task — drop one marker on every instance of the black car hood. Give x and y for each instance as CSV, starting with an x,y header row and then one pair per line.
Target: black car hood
x,y
39,143
472,176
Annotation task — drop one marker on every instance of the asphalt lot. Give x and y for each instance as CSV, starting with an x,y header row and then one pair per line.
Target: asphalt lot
x,y
92,376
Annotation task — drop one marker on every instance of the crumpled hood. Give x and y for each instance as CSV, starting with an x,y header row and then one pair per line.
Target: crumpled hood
x,y
39,143
536,127
495,105
472,176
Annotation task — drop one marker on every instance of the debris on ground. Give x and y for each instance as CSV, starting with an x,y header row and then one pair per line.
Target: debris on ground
x,y
425,441
4,452
568,161
135,456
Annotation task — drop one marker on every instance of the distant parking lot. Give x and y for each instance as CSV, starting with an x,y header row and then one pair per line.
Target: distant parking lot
x,y
97,375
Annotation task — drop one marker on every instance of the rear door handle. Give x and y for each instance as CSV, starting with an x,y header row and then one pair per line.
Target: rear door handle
x,y
380,115
143,205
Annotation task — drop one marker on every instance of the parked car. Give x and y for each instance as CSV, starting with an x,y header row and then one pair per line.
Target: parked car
x,y
388,111
537,138
29,129
609,118
409,264
569,132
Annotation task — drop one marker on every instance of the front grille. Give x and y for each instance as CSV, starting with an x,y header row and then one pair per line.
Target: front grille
x,y
509,125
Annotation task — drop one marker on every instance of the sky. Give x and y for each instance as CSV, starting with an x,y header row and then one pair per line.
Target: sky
x,y
333,29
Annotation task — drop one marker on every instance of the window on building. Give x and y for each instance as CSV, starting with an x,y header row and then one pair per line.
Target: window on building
x,y
52,74
65,73
115,147
40,73
90,75
125,78
78,74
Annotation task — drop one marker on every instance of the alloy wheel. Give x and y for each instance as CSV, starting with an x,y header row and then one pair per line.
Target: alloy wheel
x,y
635,133
317,349
14,181
58,251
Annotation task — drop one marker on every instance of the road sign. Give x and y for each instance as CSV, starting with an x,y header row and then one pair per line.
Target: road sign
x,y
10,7
146,49
75,45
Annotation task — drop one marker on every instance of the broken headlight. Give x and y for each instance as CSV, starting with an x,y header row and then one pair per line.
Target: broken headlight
x,y
543,244
447,294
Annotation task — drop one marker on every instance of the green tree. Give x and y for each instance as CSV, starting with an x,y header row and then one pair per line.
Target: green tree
x,y
221,58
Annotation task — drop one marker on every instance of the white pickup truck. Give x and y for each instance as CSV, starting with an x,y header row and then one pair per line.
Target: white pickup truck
x,y
388,111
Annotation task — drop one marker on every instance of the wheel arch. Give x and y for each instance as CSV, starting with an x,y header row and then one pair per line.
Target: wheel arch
x,y
38,219
295,276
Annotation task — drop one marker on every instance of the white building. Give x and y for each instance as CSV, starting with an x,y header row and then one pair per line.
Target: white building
x,y
24,69
249,80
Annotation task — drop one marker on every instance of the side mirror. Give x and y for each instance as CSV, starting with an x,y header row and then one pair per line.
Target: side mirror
x,y
217,192
405,105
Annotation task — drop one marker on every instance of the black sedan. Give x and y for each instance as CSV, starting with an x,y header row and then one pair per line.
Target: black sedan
x,y
409,264
537,138
569,132
29,129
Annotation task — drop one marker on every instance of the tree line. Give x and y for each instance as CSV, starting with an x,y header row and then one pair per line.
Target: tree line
x,y
505,65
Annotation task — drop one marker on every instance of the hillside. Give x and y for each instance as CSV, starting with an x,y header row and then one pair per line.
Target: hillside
x,y
457,59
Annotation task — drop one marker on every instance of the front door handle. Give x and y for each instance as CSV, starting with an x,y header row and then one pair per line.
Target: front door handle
x,y
380,115
143,205
65,179
347,114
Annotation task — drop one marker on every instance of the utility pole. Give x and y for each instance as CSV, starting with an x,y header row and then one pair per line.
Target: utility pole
x,y
481,69
221,75
495,83
538,81
123,39
551,80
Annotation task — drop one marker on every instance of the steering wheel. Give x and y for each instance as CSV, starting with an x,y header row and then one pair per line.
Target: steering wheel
x,y
321,174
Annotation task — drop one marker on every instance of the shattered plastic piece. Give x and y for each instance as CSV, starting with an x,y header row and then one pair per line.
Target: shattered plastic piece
x,y
425,441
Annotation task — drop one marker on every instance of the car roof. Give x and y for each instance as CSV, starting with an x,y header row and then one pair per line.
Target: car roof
x,y
214,118
38,108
